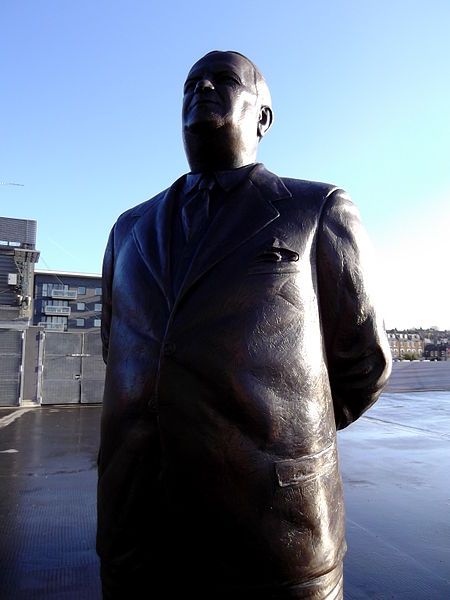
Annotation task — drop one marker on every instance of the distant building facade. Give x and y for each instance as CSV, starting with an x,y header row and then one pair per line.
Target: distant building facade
x,y
405,345
67,301
422,344
18,256
50,346
437,351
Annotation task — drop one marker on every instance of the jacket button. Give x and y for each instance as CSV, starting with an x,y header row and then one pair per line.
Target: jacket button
x,y
169,349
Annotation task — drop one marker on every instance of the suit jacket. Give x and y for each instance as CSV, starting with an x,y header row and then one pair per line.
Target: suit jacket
x,y
222,401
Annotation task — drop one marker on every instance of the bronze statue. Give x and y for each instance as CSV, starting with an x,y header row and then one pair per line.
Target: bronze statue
x,y
239,333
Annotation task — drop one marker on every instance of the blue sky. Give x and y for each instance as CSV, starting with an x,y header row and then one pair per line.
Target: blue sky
x,y
90,120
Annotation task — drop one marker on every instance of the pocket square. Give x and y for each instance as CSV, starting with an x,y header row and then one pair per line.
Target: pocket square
x,y
277,252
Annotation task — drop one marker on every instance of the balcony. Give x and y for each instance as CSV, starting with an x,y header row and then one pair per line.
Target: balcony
x,y
57,310
52,326
65,294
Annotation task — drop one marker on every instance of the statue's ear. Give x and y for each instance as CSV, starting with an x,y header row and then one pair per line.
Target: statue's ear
x,y
265,120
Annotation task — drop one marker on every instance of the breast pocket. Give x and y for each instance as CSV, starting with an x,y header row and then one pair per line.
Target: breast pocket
x,y
275,257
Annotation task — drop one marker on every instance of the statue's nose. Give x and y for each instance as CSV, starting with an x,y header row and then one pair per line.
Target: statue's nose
x,y
203,85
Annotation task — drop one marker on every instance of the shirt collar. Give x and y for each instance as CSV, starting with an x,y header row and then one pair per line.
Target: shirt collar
x,y
227,180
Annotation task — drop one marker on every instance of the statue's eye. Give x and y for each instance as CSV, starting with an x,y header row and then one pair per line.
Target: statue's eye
x,y
189,85
226,78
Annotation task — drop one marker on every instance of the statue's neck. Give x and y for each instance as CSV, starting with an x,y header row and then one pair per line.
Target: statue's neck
x,y
217,153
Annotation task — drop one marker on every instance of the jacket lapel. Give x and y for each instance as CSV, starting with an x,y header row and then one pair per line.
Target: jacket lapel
x,y
153,237
241,217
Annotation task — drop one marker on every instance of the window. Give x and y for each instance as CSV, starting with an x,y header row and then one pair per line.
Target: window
x,y
58,320
81,306
98,291
97,322
82,290
79,322
54,303
47,288
98,307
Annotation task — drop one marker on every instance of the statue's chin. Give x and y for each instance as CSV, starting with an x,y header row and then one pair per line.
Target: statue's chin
x,y
203,126
204,121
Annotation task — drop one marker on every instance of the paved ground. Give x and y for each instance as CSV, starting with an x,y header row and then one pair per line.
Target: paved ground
x,y
419,376
47,504
395,463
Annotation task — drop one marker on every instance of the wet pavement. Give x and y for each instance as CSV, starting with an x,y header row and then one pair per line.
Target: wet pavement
x,y
419,376
395,463
47,504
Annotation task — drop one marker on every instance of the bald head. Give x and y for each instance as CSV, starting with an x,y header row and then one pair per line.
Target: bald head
x,y
262,89
226,110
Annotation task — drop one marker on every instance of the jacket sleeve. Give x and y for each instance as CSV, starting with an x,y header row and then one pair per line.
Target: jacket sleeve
x,y
357,351
107,276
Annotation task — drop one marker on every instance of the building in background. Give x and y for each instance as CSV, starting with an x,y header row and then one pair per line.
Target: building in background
x,y
67,301
419,344
405,345
437,351
18,256
50,346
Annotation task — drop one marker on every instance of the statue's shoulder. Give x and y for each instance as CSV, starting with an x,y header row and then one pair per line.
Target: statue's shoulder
x,y
305,187
130,215
127,219
298,188
301,194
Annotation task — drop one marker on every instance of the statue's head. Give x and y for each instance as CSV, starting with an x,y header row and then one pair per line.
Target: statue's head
x,y
226,111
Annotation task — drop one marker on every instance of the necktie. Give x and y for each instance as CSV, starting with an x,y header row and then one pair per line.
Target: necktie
x,y
195,212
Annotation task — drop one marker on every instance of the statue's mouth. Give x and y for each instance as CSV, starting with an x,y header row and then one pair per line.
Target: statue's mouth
x,y
203,101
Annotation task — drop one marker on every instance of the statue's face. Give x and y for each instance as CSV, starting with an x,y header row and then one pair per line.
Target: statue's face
x,y
220,91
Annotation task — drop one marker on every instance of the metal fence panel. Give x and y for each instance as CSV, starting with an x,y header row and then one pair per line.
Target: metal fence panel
x,y
93,343
92,391
93,369
62,344
10,341
61,368
10,366
73,370
61,392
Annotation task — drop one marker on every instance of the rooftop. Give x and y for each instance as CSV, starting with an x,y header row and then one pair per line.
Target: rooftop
x,y
66,273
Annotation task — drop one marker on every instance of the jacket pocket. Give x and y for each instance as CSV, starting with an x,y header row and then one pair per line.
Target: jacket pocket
x,y
296,471
275,257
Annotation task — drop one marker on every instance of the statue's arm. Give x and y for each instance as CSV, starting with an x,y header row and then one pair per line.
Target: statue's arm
x,y
357,350
107,276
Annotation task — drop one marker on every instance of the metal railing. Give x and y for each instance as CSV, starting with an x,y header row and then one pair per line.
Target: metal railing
x,y
65,294
57,310
52,326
